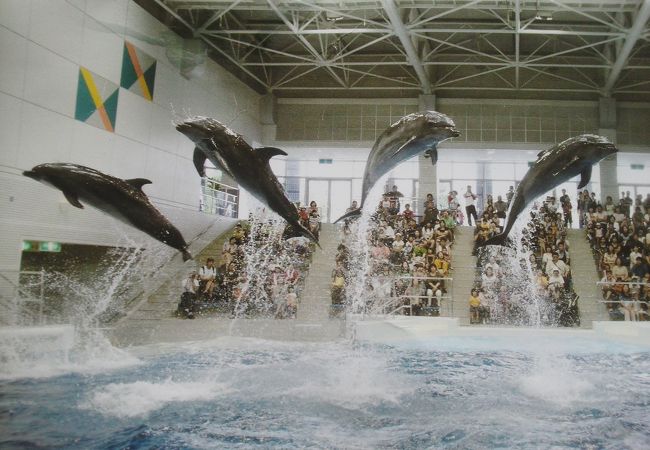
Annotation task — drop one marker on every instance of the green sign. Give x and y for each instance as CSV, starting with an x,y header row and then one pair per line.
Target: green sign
x,y
49,247
41,246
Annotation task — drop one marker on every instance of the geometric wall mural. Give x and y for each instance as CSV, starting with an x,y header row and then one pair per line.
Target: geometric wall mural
x,y
96,100
138,71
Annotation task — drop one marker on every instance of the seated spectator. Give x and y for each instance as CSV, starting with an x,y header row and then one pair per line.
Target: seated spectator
x,y
627,303
434,287
207,277
493,264
338,287
190,286
408,212
489,279
441,263
555,284
619,271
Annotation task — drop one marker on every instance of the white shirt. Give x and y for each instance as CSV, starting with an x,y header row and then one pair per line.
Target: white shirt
x,y
190,285
469,199
206,272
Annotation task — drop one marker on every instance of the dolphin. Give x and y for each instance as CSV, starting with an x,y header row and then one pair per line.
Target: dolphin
x,y
122,199
228,151
553,167
413,134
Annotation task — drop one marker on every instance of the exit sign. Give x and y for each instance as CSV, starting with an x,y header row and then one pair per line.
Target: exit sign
x,y
636,166
41,246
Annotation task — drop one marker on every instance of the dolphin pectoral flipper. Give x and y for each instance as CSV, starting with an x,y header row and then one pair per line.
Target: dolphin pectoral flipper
x,y
433,154
269,152
585,176
73,199
138,182
199,161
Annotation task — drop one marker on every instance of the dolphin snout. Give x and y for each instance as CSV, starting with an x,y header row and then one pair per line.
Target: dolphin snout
x,y
455,133
31,174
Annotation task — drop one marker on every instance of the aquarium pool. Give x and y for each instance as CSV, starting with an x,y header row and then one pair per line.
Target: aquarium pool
x,y
551,391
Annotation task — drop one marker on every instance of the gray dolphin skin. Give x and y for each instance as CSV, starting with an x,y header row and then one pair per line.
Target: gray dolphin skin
x,y
228,151
121,199
554,166
411,135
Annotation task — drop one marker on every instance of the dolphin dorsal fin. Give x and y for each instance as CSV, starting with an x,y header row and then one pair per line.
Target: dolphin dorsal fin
x,y
138,182
269,152
199,161
585,176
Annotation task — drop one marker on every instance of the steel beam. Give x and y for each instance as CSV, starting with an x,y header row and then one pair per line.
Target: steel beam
x,y
632,37
303,40
405,38
211,44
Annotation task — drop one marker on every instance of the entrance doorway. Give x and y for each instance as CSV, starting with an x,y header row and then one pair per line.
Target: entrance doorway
x,y
333,196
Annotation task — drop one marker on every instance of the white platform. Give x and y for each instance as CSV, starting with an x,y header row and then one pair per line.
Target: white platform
x,y
396,329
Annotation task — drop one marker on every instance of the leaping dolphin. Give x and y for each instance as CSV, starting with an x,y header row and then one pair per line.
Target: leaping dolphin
x,y
553,167
250,167
122,199
413,134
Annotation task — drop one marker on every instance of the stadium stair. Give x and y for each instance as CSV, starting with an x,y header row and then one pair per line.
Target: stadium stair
x,y
463,273
585,276
316,300
162,303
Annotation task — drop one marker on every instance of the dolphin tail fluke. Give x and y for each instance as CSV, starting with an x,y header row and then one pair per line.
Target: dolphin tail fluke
x,y
354,214
186,255
499,239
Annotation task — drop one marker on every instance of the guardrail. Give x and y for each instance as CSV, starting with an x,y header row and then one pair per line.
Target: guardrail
x,y
395,303
219,198
16,293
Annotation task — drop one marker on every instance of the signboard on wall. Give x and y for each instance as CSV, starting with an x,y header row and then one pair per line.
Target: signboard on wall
x,y
41,246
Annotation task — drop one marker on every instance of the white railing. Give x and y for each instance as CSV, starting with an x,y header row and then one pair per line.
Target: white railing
x,y
219,198
394,303
16,292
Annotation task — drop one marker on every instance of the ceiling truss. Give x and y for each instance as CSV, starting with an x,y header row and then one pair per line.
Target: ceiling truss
x,y
585,48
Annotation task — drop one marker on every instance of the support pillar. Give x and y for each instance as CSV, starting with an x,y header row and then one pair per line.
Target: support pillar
x,y
427,172
268,104
608,166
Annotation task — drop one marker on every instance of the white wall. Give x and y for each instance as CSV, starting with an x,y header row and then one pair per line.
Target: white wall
x,y
42,45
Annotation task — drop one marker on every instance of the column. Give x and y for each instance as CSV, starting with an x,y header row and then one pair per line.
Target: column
x,y
608,169
268,104
427,172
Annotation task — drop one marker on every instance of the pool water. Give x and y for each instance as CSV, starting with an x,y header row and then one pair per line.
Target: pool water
x,y
551,392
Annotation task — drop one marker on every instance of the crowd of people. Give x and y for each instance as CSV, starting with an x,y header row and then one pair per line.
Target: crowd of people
x,y
268,284
501,293
619,234
409,258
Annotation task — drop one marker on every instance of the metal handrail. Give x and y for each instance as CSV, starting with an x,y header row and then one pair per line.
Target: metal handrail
x,y
216,200
633,283
22,296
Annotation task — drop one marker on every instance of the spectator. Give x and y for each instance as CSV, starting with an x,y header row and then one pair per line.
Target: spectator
x,y
338,286
470,208
190,285
475,308
500,207
510,194
208,278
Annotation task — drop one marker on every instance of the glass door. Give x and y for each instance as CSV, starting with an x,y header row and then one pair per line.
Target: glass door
x,y
340,198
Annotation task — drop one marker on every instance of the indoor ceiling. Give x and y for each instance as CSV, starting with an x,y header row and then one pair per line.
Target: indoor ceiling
x,y
546,49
